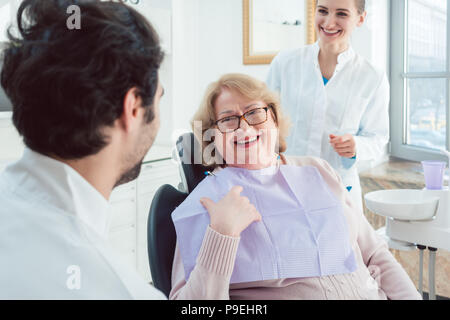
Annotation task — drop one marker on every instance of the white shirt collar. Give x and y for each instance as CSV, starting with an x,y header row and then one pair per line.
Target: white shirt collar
x,y
343,58
57,185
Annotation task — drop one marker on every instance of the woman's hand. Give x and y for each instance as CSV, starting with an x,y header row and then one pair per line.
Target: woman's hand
x,y
232,214
344,145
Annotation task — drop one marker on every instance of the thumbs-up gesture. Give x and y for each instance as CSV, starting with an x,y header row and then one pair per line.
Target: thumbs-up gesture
x,y
232,214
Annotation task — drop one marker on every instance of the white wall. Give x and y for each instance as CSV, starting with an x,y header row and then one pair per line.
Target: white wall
x,y
372,40
159,12
185,44
207,43
221,41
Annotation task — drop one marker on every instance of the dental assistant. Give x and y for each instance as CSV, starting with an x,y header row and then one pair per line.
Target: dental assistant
x,y
337,100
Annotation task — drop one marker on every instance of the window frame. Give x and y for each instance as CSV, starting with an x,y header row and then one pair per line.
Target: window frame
x,y
398,80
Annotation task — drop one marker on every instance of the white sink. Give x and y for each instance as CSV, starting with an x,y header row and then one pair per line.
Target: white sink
x,y
402,204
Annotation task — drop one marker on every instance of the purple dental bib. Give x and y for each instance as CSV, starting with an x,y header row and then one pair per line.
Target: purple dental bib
x,y
303,232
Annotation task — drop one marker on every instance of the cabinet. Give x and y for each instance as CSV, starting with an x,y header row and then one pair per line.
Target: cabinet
x,y
122,222
130,209
11,145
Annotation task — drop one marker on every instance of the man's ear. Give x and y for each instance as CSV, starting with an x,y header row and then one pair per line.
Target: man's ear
x,y
131,110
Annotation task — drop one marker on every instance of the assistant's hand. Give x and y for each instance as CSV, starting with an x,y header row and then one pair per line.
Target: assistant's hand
x,y
232,214
344,145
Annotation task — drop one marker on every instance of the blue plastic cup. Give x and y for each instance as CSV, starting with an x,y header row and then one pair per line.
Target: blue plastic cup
x,y
434,174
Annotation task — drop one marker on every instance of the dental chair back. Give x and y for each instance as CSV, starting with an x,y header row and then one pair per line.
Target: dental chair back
x,y
161,235
189,157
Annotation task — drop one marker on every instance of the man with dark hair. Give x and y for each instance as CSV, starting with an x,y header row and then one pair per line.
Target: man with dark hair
x,y
86,102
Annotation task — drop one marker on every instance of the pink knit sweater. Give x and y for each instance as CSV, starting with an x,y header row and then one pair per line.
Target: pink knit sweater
x,y
379,275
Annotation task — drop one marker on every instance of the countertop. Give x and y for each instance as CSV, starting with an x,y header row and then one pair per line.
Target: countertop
x,y
5,115
158,152
398,172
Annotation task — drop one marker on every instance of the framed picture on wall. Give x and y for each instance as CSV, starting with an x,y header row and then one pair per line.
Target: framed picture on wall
x,y
271,26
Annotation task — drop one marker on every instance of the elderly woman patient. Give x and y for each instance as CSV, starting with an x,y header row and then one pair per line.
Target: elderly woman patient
x,y
267,226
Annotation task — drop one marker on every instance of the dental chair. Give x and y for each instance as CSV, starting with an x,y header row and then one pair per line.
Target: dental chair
x,y
161,235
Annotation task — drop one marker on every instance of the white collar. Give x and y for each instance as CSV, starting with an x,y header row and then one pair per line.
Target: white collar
x,y
343,57
54,184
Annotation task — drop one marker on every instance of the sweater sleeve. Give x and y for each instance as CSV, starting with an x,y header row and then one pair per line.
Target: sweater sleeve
x,y
210,278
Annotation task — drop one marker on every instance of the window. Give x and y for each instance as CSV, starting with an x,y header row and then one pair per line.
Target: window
x,y
420,79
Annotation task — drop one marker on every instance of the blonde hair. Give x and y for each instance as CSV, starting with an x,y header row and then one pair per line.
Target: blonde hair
x,y
360,5
249,87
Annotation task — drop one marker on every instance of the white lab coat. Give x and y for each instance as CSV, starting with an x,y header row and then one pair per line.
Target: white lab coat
x,y
53,227
355,101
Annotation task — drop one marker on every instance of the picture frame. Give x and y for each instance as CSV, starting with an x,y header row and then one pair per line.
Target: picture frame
x,y
271,26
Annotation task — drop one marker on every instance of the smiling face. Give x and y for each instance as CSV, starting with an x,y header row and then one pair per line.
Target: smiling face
x,y
335,20
250,147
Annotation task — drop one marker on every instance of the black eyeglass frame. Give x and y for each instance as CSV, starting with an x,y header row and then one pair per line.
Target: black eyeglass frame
x,y
270,106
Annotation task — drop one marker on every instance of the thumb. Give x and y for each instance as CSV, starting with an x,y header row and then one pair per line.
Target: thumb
x,y
207,203
237,190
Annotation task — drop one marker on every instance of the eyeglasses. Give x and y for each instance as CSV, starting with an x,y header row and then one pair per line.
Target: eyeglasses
x,y
253,118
